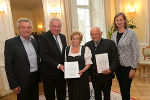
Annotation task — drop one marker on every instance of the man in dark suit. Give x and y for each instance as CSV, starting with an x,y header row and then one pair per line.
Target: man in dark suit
x,y
52,50
21,62
102,81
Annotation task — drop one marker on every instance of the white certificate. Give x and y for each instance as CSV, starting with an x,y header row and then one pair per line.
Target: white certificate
x,y
102,62
71,70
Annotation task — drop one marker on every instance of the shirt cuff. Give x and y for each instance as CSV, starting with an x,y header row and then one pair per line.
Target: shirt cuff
x,y
58,66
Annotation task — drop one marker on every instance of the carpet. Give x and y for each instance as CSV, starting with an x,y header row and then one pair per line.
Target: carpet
x,y
114,95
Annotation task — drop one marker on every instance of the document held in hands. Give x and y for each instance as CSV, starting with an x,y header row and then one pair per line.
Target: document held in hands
x,y
102,62
71,70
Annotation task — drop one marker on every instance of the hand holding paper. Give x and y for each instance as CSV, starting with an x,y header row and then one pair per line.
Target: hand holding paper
x,y
71,70
81,72
106,72
102,62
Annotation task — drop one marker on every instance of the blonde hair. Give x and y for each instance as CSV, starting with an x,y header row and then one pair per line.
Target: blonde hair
x,y
76,33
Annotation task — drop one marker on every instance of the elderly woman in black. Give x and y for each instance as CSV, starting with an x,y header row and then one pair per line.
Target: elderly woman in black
x,y
78,88
127,43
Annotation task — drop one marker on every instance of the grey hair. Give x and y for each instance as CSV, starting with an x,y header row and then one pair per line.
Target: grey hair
x,y
23,20
54,19
95,27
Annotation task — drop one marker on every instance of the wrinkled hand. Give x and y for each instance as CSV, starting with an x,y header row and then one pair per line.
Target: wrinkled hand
x,y
106,72
131,73
17,90
62,68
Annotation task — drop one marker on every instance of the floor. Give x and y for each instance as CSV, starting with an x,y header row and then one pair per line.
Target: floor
x,y
140,89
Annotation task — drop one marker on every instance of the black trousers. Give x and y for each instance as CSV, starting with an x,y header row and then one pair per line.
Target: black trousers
x,y
55,84
102,83
124,81
31,90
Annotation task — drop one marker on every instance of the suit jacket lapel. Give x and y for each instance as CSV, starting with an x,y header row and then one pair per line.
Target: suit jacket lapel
x,y
101,44
99,48
115,38
22,48
123,36
34,44
51,40
63,42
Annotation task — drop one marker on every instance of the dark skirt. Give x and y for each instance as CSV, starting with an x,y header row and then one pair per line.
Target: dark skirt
x,y
78,88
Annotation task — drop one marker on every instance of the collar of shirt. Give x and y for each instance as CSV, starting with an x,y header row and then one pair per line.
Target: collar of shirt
x,y
57,36
23,40
98,41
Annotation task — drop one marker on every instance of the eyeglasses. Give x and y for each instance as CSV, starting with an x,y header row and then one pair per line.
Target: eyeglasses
x,y
24,27
56,26
76,39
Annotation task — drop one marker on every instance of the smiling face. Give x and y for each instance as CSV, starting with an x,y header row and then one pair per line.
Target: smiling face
x,y
95,34
76,40
120,22
55,27
25,29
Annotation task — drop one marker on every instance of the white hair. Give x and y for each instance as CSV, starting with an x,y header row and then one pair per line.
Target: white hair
x,y
55,19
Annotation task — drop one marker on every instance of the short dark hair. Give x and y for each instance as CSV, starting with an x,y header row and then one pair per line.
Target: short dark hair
x,y
124,17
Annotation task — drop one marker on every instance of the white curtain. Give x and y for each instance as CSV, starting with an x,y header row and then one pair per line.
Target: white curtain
x,y
111,7
107,6
7,31
46,4
66,19
99,16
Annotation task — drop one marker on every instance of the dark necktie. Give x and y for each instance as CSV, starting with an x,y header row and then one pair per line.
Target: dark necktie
x,y
57,43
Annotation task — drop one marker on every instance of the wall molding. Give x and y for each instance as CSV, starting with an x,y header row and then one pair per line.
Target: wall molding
x,y
147,23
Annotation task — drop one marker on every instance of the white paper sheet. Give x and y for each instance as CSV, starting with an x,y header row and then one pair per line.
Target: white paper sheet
x,y
102,62
71,70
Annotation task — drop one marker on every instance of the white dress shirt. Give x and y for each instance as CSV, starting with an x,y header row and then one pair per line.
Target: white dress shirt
x,y
31,53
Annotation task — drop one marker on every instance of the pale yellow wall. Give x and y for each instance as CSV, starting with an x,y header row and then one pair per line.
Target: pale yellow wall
x,y
113,10
38,19
140,17
149,21
16,14
36,16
